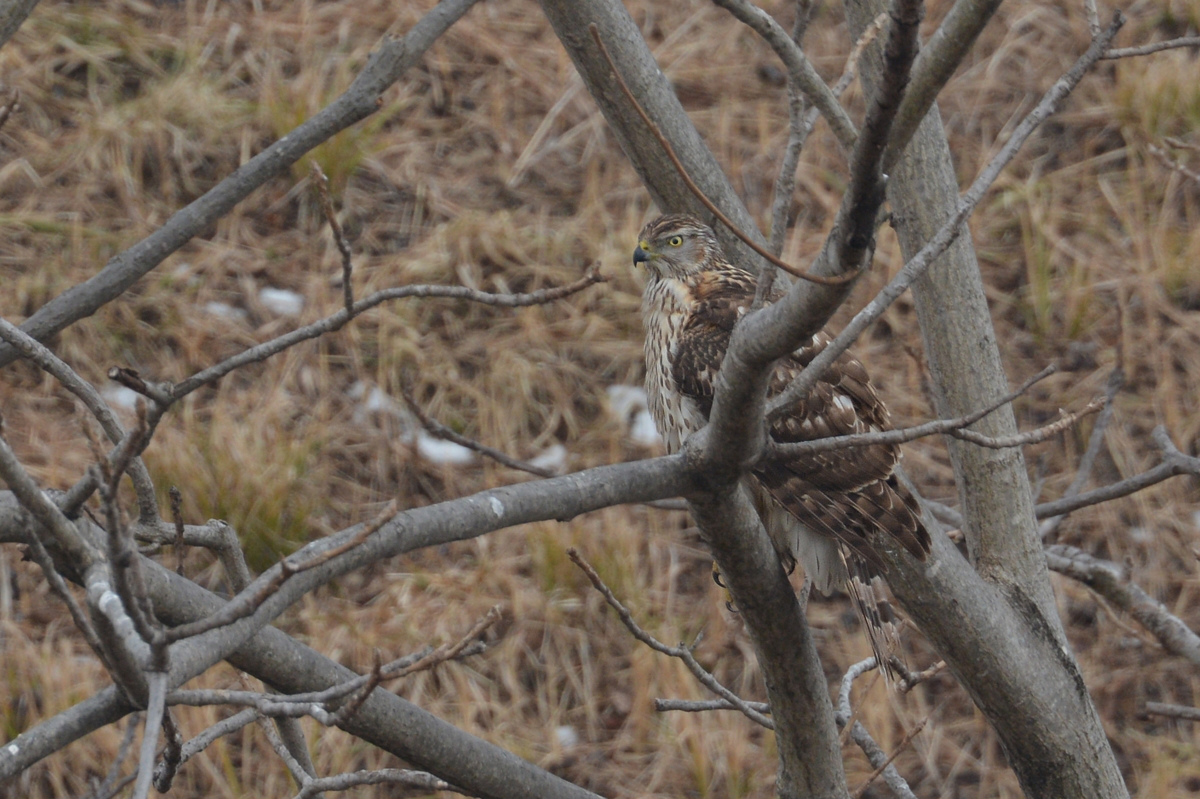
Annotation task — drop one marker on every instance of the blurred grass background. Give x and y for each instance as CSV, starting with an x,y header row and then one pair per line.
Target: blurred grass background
x,y
489,166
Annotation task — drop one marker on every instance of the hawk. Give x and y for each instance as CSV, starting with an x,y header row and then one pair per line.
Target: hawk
x,y
817,508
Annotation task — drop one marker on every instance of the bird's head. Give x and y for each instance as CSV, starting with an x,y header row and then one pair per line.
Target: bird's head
x,y
676,246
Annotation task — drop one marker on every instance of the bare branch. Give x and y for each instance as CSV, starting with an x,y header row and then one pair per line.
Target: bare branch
x,y
1032,436
905,434
800,70
1111,582
25,346
344,782
875,755
1173,711
440,430
1174,463
154,716
1172,164
683,652
706,705
800,125
696,190
164,773
910,680
265,350
1093,17
904,742
935,65
201,742
321,185
1157,47
177,518
63,535
244,604
384,67
294,768
1116,379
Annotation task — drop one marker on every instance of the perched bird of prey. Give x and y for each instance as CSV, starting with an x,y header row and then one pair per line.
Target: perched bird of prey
x,y
817,508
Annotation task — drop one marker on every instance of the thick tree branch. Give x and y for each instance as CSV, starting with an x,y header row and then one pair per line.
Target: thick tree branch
x,y
623,38
939,58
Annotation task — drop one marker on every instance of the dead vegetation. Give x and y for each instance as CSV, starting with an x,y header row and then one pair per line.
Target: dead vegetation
x,y
490,167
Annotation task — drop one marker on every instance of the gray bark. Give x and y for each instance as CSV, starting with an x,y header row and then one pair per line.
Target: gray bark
x,y
1001,634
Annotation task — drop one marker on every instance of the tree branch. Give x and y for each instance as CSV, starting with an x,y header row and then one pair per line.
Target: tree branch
x,y
1111,582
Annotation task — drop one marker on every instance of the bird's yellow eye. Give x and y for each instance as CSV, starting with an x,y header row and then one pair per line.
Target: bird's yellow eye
x,y
675,241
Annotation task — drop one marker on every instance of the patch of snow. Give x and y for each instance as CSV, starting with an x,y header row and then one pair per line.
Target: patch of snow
x,y
436,450
642,431
567,736
626,400
121,397
281,301
553,459
1141,535
224,310
628,403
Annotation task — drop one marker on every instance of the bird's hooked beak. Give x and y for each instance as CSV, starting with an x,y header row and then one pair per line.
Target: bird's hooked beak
x,y
641,254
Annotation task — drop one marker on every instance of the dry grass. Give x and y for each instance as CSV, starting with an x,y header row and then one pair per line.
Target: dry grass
x,y
491,167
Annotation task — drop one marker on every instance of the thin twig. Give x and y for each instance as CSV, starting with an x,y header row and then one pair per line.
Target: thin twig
x,y
1172,164
1157,47
436,428
312,704
800,126
909,679
900,747
112,781
1030,436
875,755
682,651
202,741
293,766
706,705
244,604
338,320
384,66
321,185
696,190
344,782
1173,711
905,434
34,351
157,682
1116,380
1174,463
177,517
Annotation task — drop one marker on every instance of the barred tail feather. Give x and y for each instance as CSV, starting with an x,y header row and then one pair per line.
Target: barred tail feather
x,y
868,594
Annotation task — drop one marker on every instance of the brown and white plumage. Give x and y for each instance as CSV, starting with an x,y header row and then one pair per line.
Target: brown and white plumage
x,y
818,508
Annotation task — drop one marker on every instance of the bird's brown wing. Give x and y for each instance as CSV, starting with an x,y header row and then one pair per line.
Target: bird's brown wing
x,y
719,299
841,493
